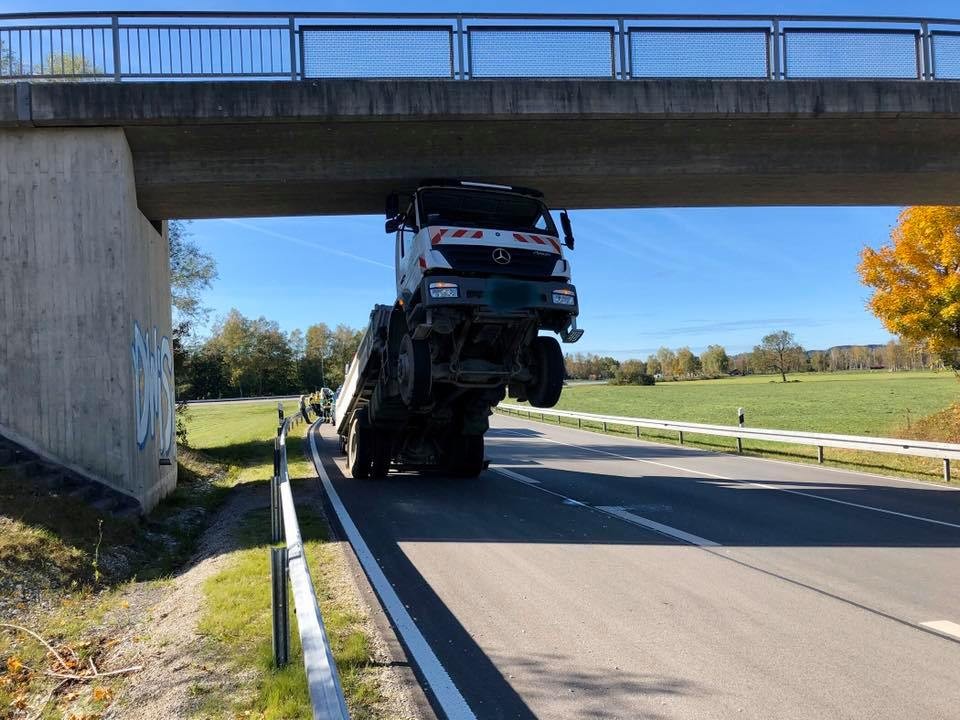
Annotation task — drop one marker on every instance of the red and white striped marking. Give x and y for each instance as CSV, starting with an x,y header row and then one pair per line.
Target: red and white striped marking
x,y
438,236
441,235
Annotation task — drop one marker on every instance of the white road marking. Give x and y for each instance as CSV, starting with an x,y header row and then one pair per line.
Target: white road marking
x,y
613,511
703,473
944,626
659,527
516,476
444,690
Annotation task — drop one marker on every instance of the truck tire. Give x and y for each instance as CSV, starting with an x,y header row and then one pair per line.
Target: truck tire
x,y
359,450
380,462
466,458
415,371
546,361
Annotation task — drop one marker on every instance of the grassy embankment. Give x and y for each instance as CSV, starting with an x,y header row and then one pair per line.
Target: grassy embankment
x,y
916,405
79,571
237,617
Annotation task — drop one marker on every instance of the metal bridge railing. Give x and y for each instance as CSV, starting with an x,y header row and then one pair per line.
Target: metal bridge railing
x,y
210,45
897,446
288,563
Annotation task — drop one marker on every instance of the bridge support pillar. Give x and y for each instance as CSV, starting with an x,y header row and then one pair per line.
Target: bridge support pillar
x,y
86,362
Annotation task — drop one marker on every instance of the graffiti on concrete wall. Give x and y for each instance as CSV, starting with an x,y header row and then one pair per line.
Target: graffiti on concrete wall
x,y
153,393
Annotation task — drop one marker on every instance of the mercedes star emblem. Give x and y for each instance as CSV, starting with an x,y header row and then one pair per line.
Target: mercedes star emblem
x,y
501,256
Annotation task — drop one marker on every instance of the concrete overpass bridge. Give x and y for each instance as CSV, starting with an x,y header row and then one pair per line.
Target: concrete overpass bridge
x,y
158,115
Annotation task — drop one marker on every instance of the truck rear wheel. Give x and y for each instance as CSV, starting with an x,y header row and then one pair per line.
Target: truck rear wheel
x,y
359,446
415,371
380,462
466,456
546,359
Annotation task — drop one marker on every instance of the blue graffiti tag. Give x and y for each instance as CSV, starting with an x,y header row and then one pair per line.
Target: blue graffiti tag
x,y
153,398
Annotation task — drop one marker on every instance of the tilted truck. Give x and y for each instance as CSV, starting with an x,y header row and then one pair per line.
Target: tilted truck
x,y
480,272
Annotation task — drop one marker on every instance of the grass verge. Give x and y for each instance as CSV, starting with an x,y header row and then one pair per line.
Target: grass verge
x,y
237,623
67,569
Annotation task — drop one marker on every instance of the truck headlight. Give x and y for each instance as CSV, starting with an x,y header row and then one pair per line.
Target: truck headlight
x,y
441,290
563,296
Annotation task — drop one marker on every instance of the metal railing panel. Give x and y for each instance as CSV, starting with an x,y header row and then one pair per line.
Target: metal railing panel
x,y
71,51
945,54
574,51
183,51
856,53
699,52
358,51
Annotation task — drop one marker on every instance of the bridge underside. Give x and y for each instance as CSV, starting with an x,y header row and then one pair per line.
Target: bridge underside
x,y
338,146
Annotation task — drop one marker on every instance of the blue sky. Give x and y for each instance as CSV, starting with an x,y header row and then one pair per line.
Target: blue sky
x,y
645,277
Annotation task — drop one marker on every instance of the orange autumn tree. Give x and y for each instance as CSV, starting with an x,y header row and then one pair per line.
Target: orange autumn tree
x,y
916,280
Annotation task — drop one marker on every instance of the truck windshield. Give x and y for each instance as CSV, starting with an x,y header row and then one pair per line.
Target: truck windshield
x,y
485,209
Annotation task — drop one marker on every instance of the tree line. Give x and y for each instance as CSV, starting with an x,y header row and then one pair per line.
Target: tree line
x,y
253,357
777,353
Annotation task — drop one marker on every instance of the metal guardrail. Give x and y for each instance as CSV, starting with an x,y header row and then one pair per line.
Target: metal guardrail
x,y
467,46
290,562
897,446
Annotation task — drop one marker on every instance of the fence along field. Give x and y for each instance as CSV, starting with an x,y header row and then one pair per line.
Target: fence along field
x,y
868,403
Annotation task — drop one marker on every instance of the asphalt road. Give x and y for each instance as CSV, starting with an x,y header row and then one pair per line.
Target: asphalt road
x,y
587,576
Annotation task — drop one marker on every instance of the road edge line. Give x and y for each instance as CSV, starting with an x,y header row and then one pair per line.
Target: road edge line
x,y
442,687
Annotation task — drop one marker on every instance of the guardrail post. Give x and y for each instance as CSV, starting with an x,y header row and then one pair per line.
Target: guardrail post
x,y
275,493
604,427
638,432
946,469
680,433
926,52
293,49
115,35
579,424
777,61
820,454
279,607
460,48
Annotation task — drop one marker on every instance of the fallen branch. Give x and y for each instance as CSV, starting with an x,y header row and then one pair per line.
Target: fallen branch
x,y
47,645
87,678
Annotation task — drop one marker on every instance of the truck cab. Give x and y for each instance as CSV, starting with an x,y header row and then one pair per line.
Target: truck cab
x,y
480,274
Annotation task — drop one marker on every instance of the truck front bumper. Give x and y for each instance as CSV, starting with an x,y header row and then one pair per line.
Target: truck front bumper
x,y
498,296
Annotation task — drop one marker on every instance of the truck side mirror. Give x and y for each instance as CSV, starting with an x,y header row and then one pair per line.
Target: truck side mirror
x,y
567,230
392,212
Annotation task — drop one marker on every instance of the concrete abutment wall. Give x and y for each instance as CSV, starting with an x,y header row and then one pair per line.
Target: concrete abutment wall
x,y
86,363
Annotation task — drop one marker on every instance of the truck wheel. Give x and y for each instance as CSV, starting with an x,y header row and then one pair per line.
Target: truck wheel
x,y
415,371
380,463
467,456
358,447
547,367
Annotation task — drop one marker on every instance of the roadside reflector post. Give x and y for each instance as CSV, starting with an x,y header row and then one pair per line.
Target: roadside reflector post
x,y
279,607
946,469
740,423
604,427
280,411
579,423
680,433
638,432
820,454
275,494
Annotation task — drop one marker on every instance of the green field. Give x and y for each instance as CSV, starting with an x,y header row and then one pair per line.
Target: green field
x,y
867,403
872,403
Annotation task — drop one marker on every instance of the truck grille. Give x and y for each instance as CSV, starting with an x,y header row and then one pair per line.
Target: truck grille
x,y
479,259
